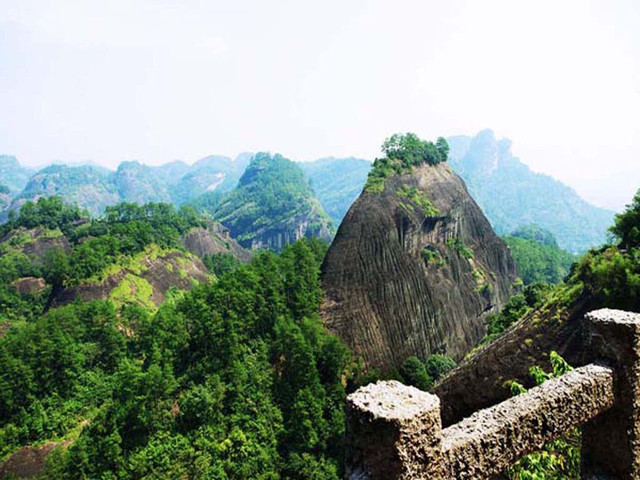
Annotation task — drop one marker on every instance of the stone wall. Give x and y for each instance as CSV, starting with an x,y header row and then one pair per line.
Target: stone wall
x,y
395,431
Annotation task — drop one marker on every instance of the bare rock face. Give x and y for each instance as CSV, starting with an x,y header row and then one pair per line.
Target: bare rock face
x,y
29,285
213,240
414,270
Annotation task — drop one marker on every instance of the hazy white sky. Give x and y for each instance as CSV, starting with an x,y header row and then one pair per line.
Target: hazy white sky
x,y
160,80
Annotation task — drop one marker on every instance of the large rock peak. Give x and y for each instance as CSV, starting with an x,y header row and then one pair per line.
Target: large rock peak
x,y
414,270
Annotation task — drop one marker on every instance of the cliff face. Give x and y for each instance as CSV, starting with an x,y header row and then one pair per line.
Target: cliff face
x,y
213,240
414,270
481,380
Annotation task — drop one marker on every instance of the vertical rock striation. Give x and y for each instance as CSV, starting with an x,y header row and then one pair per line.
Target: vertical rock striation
x,y
414,270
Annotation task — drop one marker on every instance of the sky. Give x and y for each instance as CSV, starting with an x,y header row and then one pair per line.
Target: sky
x,y
156,81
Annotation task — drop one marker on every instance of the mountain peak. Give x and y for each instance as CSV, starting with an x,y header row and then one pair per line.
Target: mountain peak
x,y
273,205
414,269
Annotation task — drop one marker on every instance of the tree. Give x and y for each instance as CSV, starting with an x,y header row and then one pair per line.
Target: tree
x,y
414,373
411,150
627,224
443,148
438,365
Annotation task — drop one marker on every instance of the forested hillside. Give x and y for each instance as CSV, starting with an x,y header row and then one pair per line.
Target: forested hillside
x,y
95,188
509,193
235,379
537,255
272,206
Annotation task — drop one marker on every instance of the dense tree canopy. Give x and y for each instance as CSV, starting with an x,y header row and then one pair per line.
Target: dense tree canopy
x,y
237,379
627,225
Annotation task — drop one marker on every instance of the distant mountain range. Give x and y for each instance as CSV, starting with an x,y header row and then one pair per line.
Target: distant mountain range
x,y
510,194
337,183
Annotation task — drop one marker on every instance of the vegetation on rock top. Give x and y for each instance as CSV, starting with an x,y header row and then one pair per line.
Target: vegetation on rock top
x,y
402,153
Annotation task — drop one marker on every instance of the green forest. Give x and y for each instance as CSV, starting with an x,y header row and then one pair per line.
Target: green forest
x,y
537,255
234,379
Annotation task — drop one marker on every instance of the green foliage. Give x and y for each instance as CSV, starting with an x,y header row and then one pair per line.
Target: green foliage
x,y
49,212
414,372
403,152
432,256
460,247
559,459
421,374
438,365
626,226
533,296
411,150
418,198
537,255
612,276
237,379
221,263
132,290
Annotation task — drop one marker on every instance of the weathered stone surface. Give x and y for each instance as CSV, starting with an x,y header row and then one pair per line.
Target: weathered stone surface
x,y
481,380
602,397
29,285
386,299
611,443
212,240
389,426
394,431
29,461
486,443
36,242
171,269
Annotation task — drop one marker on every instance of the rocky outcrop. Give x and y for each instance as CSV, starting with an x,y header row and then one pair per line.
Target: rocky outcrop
x,y
29,285
414,270
483,379
29,461
144,280
34,242
212,240
312,223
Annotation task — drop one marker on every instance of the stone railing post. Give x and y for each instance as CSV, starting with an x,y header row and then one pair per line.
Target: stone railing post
x,y
392,430
611,441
